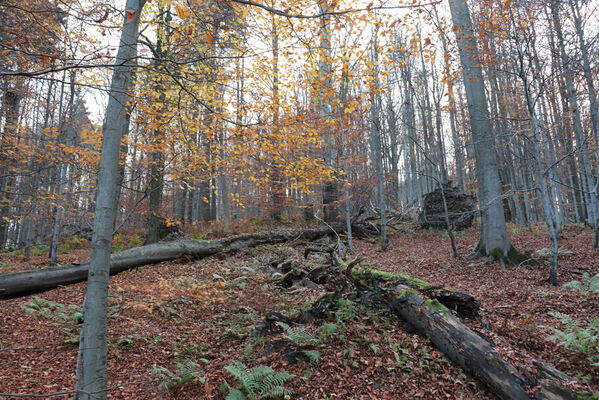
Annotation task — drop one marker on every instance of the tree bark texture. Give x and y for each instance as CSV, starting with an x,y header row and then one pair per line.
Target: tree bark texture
x,y
494,240
475,354
92,376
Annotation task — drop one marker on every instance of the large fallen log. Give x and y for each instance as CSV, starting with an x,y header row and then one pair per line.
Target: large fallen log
x,y
469,349
23,283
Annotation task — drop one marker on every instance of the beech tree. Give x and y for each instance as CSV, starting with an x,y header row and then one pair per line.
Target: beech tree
x,y
92,376
494,240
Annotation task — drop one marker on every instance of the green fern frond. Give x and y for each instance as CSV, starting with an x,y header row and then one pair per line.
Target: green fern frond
x,y
300,337
312,355
257,383
585,340
236,394
587,284
282,325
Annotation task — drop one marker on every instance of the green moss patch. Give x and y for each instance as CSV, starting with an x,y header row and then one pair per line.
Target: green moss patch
x,y
390,277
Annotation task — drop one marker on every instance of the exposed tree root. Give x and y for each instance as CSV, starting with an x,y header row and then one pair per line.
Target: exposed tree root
x,y
513,256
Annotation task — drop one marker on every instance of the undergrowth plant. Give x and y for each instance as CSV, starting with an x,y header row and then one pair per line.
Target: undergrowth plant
x,y
584,340
303,341
587,284
186,371
68,316
72,243
256,383
546,252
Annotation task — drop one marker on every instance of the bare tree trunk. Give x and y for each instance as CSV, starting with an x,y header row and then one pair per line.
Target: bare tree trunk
x,y
278,193
36,176
392,126
343,98
494,240
375,140
330,195
92,379
587,176
548,208
156,182
66,120
12,99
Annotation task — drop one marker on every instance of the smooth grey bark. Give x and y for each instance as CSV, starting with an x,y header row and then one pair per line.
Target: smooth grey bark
x,y
11,102
494,240
586,66
343,99
457,146
458,154
413,178
393,144
572,99
239,67
594,105
376,142
92,377
35,182
66,129
205,206
278,193
548,209
330,195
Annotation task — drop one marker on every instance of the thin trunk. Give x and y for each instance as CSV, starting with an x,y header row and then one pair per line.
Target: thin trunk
x,y
278,193
587,176
12,99
330,195
156,182
375,137
92,378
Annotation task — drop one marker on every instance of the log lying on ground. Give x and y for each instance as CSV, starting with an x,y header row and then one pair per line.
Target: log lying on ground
x,y
472,352
23,283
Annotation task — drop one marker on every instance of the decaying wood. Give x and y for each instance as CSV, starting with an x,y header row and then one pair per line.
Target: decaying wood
x,y
475,354
463,304
461,209
422,308
22,283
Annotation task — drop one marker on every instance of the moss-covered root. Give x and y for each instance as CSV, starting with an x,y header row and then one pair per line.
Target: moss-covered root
x,y
513,256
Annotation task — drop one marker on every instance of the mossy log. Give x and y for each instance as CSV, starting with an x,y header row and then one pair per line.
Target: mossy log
x,y
19,284
472,352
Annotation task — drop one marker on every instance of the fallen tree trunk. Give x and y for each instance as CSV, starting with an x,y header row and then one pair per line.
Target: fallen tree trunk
x,y
19,284
422,307
475,354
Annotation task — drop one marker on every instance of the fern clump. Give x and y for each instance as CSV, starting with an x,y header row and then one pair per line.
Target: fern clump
x,y
584,340
546,252
185,372
302,340
588,284
257,383
68,316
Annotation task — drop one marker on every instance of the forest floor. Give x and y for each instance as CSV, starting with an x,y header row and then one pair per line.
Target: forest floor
x,y
181,323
